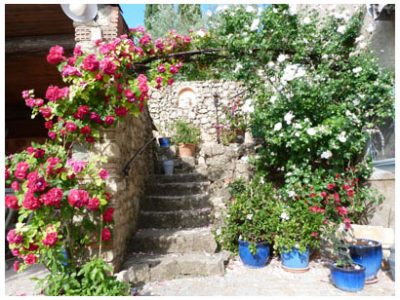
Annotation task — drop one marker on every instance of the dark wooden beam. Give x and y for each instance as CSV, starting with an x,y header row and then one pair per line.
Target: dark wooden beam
x,y
38,44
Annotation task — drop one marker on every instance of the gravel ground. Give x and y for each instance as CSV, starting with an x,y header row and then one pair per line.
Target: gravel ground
x,y
239,280
271,280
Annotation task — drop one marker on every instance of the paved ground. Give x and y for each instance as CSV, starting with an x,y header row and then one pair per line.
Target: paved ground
x,y
238,281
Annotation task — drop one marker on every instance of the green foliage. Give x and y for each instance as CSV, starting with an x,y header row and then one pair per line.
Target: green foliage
x,y
237,187
93,279
186,133
252,215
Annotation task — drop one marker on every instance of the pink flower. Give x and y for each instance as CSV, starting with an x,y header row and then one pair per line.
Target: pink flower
x,y
77,165
26,94
54,93
15,252
52,135
346,187
46,112
86,129
104,174
15,185
93,204
109,120
53,197
89,139
108,215
48,124
78,50
107,66
170,81
90,63
145,39
30,102
52,162
341,210
55,55
95,117
30,259
7,174
107,48
121,111
324,194
105,234
78,198
129,94
71,126
70,71
13,237
38,102
331,186
21,170
314,234
173,69
350,193
316,209
161,68
36,183
347,223
50,239
16,266
159,44
336,197
30,201
12,202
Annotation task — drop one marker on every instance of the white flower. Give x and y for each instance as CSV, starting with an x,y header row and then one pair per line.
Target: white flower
x,y
274,10
238,67
201,33
271,64
209,13
311,131
357,70
250,9
362,45
273,99
249,216
292,72
325,56
326,154
218,231
356,102
342,137
297,126
221,8
281,58
262,181
292,9
278,126
341,29
297,134
288,117
284,216
248,106
254,25
306,20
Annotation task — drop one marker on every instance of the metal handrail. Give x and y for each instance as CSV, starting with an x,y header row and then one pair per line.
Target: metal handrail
x,y
126,169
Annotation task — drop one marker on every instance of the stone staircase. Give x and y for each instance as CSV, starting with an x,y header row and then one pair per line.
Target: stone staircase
x,y
174,239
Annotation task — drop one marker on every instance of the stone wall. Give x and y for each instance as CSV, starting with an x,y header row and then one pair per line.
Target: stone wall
x,y
200,102
119,145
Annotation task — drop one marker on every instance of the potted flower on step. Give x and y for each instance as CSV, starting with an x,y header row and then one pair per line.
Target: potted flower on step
x,y
297,234
251,222
186,136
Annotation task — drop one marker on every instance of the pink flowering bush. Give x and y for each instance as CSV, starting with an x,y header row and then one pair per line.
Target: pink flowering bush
x,y
61,202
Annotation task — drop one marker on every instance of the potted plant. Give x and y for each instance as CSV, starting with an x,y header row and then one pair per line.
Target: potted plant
x,y
187,136
346,274
367,253
251,222
297,233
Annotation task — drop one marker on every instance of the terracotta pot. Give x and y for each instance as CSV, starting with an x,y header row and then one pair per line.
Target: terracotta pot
x,y
187,150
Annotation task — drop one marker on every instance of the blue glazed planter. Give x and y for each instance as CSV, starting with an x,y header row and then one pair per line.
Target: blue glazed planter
x,y
257,260
348,280
369,255
164,142
295,259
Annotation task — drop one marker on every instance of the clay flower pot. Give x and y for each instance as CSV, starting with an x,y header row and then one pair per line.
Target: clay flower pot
x,y
187,150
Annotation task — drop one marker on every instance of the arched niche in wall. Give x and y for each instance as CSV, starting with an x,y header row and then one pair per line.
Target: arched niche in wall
x,y
186,98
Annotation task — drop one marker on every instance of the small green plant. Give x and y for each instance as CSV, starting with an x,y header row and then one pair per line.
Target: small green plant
x,y
93,279
186,133
252,215
237,187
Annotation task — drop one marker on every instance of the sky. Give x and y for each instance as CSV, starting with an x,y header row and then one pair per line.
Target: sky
x,y
134,13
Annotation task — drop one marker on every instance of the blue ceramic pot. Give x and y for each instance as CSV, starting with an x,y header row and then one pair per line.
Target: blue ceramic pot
x,y
295,259
164,142
348,280
369,255
257,260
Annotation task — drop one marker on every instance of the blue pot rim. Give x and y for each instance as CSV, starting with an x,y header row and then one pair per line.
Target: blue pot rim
x,y
376,244
294,249
362,269
245,243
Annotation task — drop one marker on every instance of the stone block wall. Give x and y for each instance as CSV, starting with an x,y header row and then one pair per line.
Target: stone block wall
x,y
119,145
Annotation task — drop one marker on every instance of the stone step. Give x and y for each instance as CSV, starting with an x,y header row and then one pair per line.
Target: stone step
x,y
142,268
173,240
180,177
177,188
175,219
168,203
